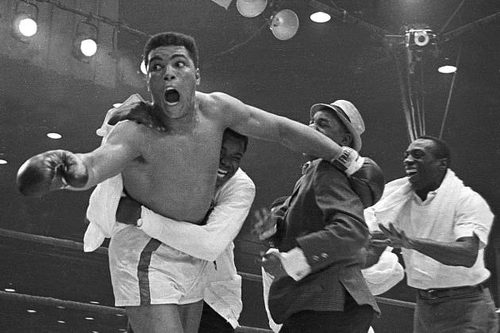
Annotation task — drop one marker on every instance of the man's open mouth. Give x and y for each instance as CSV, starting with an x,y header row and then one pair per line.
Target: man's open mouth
x,y
410,172
172,96
221,173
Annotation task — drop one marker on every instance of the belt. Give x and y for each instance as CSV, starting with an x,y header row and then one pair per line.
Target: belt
x,y
447,292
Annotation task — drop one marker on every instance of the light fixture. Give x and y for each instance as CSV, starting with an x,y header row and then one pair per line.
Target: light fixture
x,y
31,311
447,63
89,318
2,162
25,20
61,322
284,24
85,42
320,17
10,290
447,69
54,136
251,8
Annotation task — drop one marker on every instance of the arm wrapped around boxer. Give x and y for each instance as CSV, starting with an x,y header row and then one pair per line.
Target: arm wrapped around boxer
x,y
51,171
140,112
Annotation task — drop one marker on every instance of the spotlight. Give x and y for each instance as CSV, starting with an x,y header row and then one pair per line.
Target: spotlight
x,y
25,20
54,135
320,17
284,24
88,47
85,43
251,8
447,67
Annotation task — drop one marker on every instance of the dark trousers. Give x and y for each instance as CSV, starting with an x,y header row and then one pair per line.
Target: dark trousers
x,y
212,322
471,310
354,319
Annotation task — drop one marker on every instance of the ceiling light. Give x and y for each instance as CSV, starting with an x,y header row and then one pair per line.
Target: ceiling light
x,y
446,66
27,26
25,20
94,302
320,17
89,318
85,42
447,69
2,162
251,8
284,24
61,322
55,136
31,311
10,290
88,47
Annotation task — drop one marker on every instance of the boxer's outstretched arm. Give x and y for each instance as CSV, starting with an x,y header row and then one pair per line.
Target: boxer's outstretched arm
x,y
62,169
120,147
260,124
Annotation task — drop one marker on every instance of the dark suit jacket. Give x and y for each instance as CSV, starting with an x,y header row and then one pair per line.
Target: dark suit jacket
x,y
325,219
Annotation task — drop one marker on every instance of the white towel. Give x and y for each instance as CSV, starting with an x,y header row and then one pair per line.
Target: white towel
x,y
101,213
103,201
399,191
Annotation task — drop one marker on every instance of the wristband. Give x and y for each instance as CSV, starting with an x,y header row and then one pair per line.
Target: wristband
x,y
349,161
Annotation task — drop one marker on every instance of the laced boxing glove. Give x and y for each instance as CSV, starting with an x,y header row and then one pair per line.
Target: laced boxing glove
x,y
365,176
51,171
139,112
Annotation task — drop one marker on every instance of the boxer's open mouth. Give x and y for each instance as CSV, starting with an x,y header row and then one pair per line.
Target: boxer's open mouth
x,y
172,96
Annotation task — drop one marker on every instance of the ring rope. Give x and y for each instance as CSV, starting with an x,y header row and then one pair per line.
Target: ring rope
x,y
102,250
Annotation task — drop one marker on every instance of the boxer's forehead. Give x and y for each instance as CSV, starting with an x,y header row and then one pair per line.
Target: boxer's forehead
x,y
168,52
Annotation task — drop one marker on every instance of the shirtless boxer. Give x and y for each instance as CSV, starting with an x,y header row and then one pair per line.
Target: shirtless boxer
x,y
171,172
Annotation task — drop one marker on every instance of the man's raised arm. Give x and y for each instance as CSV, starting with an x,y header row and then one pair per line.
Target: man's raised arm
x,y
257,123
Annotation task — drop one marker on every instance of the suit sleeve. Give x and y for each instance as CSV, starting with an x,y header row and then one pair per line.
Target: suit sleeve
x,y
344,233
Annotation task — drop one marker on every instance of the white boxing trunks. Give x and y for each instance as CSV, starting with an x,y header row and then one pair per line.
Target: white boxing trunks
x,y
145,271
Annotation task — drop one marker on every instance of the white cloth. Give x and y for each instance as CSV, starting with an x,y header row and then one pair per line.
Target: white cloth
x,y
213,241
385,274
448,213
104,200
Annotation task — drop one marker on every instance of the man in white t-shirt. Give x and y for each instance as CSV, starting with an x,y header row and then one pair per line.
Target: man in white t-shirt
x,y
442,227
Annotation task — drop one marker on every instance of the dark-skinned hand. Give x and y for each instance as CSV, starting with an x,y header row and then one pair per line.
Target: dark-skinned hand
x,y
271,262
397,238
139,112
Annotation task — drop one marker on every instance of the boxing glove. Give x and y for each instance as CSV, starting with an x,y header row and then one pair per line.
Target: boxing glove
x,y
368,182
140,112
51,171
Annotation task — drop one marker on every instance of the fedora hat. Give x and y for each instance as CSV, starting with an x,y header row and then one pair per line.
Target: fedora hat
x,y
348,114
